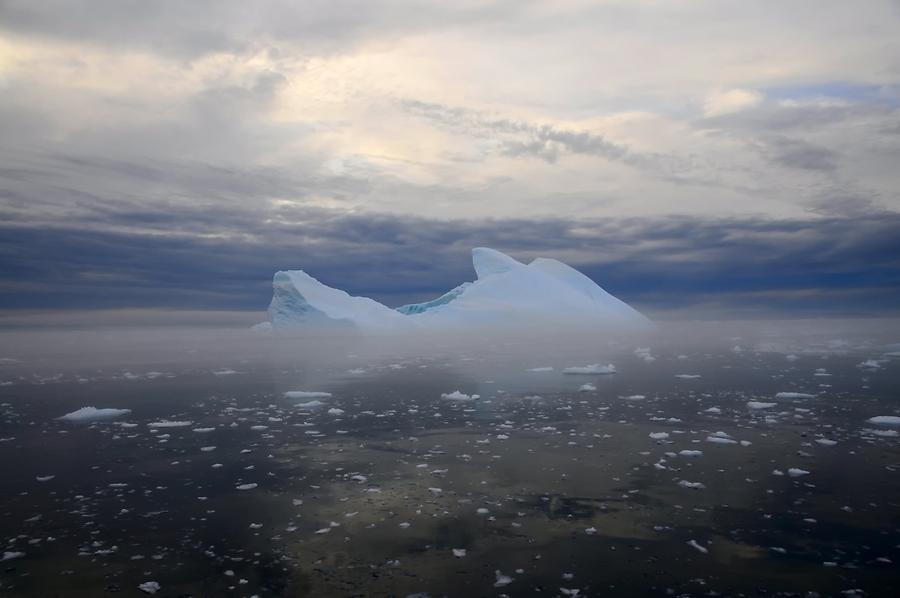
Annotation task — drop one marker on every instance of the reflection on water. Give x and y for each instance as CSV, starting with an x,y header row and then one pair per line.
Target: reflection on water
x,y
683,473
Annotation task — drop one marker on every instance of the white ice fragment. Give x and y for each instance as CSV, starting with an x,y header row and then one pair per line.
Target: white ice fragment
x,y
693,544
588,387
692,485
459,552
250,486
306,394
690,453
760,405
459,396
796,472
9,555
826,441
502,580
659,435
335,411
720,440
885,420
592,369
92,414
794,395
687,376
164,423
149,587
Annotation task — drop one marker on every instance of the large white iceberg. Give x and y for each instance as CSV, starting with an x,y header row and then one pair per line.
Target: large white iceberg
x,y
507,293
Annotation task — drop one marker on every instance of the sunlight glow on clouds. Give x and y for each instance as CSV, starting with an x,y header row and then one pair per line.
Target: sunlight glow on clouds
x,y
132,117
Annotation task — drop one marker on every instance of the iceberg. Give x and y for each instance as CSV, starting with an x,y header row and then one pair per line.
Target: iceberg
x,y
506,293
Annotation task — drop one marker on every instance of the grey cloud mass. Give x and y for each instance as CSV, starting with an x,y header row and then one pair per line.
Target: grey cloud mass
x,y
741,155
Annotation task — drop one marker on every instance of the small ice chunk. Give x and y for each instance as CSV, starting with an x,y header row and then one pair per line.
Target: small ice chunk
x,y
826,441
659,435
9,555
459,396
690,453
885,420
687,376
149,587
592,369
692,485
459,552
306,394
92,414
588,387
796,472
760,405
309,404
165,423
693,544
720,440
794,395
502,580
250,486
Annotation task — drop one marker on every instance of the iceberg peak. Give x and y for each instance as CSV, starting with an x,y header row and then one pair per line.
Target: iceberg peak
x,y
488,262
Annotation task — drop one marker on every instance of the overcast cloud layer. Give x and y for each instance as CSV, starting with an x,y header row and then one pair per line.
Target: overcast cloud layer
x,y
727,156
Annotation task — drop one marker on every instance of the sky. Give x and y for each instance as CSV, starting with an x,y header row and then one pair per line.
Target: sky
x,y
719,158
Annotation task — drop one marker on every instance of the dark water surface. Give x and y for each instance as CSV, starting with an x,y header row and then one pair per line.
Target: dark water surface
x,y
549,488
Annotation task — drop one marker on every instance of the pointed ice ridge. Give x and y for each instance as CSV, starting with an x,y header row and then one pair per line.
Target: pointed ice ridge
x,y
488,262
506,293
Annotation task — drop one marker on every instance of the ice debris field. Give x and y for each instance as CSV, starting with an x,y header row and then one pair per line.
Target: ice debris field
x,y
661,468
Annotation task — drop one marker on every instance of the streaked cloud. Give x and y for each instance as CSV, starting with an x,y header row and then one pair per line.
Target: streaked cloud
x,y
224,122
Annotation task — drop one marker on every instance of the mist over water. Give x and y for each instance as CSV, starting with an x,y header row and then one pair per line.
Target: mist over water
x,y
697,458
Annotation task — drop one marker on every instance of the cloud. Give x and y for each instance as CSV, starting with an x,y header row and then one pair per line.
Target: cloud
x,y
730,100
796,153
659,264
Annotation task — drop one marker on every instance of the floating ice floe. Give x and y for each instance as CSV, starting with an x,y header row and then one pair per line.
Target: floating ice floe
x,y
459,552
149,587
593,369
306,394
687,376
165,423
459,396
794,395
309,404
92,414
502,580
690,453
760,405
9,555
587,387
693,544
885,420
692,485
